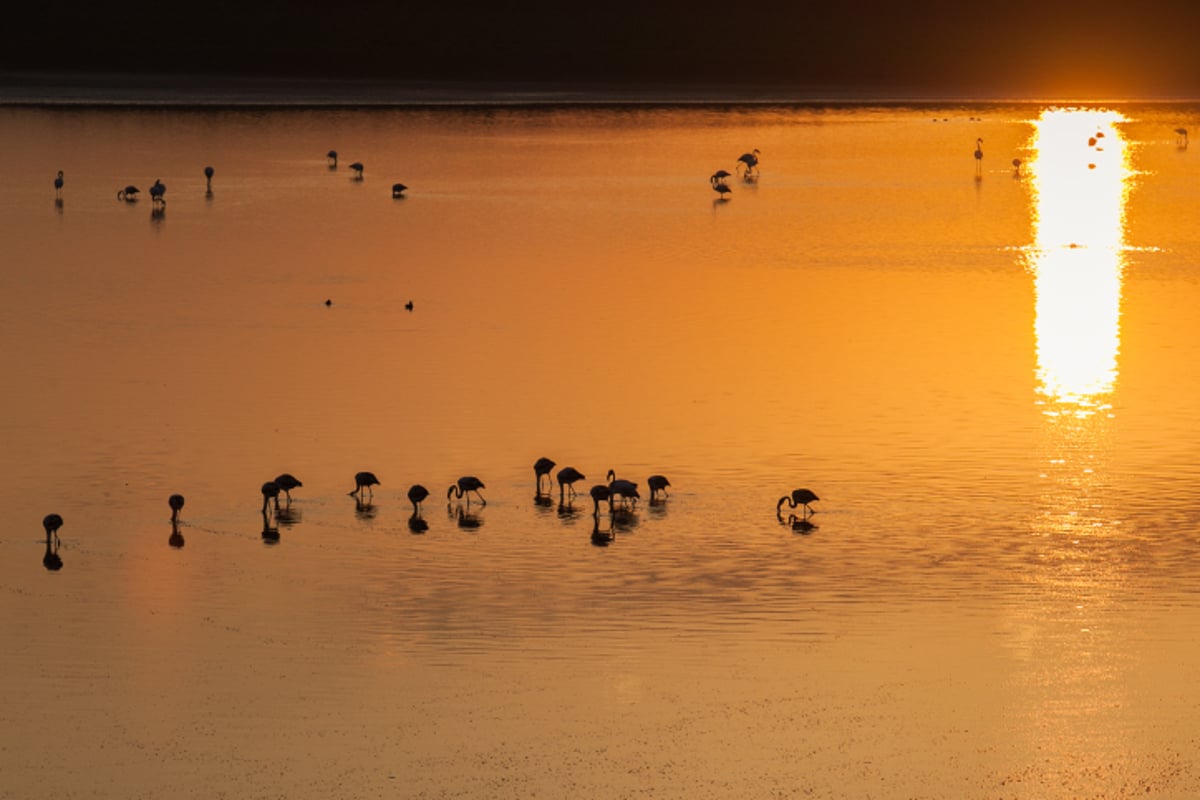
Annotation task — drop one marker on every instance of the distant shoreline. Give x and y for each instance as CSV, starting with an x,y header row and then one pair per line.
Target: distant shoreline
x,y
118,91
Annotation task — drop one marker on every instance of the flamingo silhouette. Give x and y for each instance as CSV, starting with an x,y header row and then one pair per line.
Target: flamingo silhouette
x,y
566,477
270,491
626,489
541,468
175,501
799,497
364,480
600,494
208,175
657,483
128,194
465,485
287,482
332,156
358,169
1180,133
58,184
748,162
979,156
398,189
722,190
416,495
52,522
158,192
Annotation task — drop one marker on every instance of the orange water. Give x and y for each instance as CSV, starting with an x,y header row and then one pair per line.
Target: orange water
x,y
989,382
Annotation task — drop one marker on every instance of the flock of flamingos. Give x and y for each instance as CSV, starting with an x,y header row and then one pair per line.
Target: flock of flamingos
x,y
616,489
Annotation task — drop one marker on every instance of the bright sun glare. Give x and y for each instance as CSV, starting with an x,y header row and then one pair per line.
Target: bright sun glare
x,y
1080,174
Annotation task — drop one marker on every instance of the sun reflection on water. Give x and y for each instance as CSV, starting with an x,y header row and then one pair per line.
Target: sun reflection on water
x,y
1080,180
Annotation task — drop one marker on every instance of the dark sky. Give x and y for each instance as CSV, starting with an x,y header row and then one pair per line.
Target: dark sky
x,y
1015,48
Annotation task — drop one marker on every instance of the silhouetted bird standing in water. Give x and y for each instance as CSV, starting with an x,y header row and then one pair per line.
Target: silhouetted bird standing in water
x,y
566,477
799,497
465,485
600,494
58,184
270,491
398,189
748,163
208,175
128,194
416,495
717,179
541,469
332,156
1180,133
626,489
287,482
358,169
52,522
158,192
979,156
657,483
175,501
364,480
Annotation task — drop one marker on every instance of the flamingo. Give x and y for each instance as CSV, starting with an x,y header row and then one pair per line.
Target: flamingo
x,y
600,493
175,501
58,184
364,480
657,483
128,194
979,156
749,162
208,175
566,477
398,189
465,485
1181,133
799,497
158,192
416,495
287,482
52,522
270,491
409,305
627,489
722,190
542,468
332,156
358,169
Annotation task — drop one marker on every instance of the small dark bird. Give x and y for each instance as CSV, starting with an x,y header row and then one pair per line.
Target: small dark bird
x,y
358,169
208,175
416,495
657,483
979,156
332,156
398,189
287,482
541,468
409,305
158,192
364,480
128,194
566,477
465,484
52,522
58,184
175,501
600,494
799,497
328,302
270,491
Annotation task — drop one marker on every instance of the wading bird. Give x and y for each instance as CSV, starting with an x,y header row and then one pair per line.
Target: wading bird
x,y
465,485
158,192
208,173
566,477
287,482
175,501
626,489
1180,133
722,190
58,184
657,483
358,169
398,189
332,156
748,163
364,480
541,469
416,495
979,156
128,194
799,497
270,491
52,522
600,493
1016,162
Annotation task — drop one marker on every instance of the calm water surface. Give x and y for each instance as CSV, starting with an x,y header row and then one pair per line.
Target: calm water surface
x,y
989,380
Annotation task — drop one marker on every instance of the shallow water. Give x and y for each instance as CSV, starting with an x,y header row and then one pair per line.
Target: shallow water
x,y
988,380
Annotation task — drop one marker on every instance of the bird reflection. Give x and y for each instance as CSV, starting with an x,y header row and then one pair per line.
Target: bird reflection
x,y
467,520
416,524
747,164
128,194
358,170
51,560
978,158
602,537
288,516
332,156
797,524
543,501
567,511
416,495
270,533
158,213
364,509
208,176
176,538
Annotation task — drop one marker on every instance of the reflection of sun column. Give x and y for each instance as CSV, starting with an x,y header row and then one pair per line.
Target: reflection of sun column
x,y
1080,194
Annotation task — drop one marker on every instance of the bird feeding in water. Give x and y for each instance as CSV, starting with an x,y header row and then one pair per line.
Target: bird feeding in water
x,y
208,176
416,495
566,477
978,157
626,489
465,485
799,497
398,190
358,169
332,156
175,501
657,483
287,482
364,480
158,192
128,194
541,469
58,184
748,164
52,522
270,492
